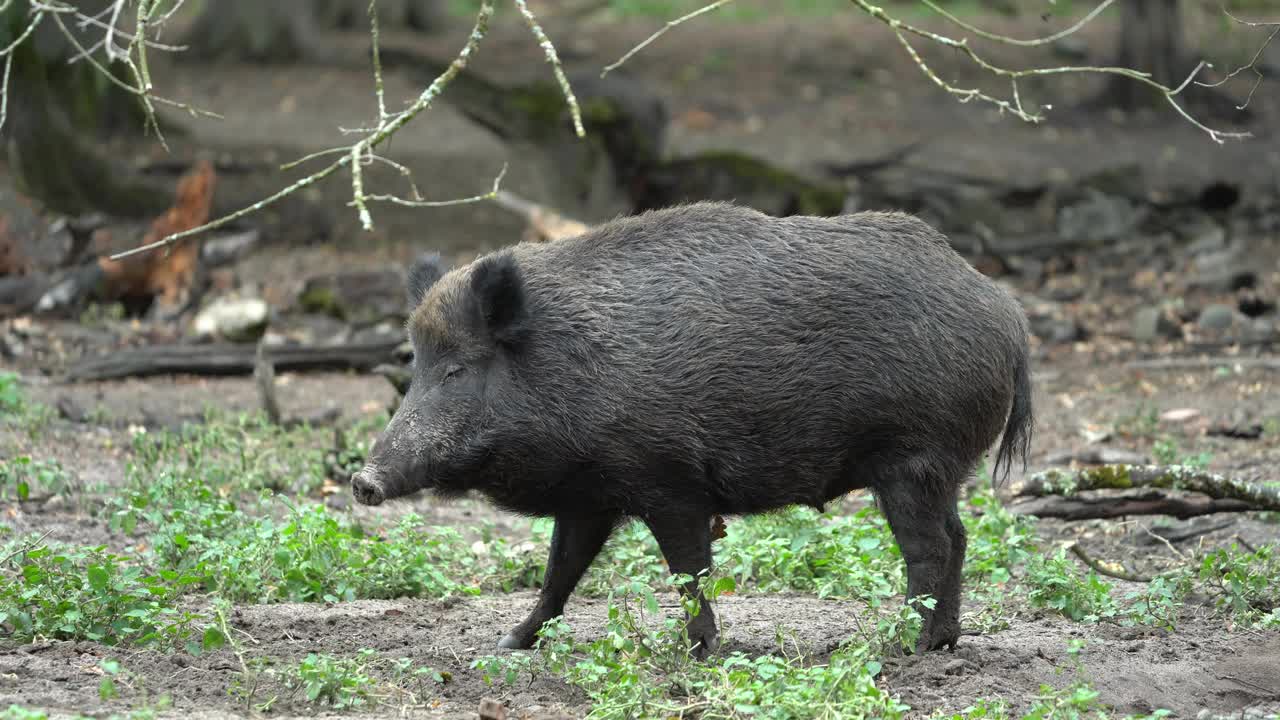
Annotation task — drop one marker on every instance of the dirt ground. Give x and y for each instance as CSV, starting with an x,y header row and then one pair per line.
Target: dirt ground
x,y
858,96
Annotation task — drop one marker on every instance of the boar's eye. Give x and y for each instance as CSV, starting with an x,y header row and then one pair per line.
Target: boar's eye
x,y
452,372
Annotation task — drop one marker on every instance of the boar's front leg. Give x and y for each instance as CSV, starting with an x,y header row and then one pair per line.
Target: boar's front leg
x,y
685,542
575,542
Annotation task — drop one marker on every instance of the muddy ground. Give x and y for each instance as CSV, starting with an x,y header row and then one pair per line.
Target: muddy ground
x,y
856,96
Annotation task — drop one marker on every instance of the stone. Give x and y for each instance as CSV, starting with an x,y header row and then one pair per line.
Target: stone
x,y
1206,237
1261,330
232,318
359,297
1179,415
1153,323
1217,317
1099,218
1224,270
491,709
1050,322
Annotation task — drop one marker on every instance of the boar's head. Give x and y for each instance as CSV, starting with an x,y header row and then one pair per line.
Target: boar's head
x,y
465,327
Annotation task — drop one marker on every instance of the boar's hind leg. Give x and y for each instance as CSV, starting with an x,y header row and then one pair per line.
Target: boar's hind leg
x,y
575,542
685,542
921,510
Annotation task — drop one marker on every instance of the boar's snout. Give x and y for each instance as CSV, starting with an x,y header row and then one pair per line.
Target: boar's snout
x,y
367,486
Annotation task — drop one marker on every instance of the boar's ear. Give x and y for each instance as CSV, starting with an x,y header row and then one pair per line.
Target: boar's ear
x,y
423,273
498,286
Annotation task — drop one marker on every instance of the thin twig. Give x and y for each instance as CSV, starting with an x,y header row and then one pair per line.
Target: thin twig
x,y
377,61
1101,569
357,188
1163,540
4,89
424,101
497,181
27,547
1005,39
1243,363
554,58
901,28
663,31
1253,62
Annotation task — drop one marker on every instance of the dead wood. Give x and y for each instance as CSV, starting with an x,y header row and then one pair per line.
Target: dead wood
x,y
1225,494
264,373
1098,567
1105,507
230,359
1201,363
544,224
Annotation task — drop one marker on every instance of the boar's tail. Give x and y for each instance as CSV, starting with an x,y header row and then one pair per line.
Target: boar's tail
x,y
1016,442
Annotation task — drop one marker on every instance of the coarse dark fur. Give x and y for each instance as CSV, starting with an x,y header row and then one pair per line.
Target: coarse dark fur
x,y
709,359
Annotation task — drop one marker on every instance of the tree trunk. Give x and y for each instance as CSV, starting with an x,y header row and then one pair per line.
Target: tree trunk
x,y
277,31
286,30
424,15
53,164
52,106
1152,41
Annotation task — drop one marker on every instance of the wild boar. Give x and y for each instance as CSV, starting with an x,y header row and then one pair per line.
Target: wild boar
x,y
705,360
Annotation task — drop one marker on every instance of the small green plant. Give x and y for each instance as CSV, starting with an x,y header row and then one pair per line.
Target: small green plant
x,y
1244,584
21,475
89,593
1166,451
11,400
834,556
17,409
1053,582
342,683
1157,602
107,689
1143,422
18,712
638,670
102,314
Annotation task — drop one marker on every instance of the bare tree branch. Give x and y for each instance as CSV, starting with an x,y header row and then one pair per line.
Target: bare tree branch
x,y
557,68
356,151
663,31
1253,63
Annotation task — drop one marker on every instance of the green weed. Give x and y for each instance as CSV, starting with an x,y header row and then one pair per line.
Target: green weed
x,y
340,682
1157,602
637,670
21,475
12,402
15,408
1054,582
1244,584
90,593
1167,451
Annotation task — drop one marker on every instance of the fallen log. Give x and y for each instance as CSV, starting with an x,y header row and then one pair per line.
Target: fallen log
x,y
1225,494
230,359
1105,507
1244,363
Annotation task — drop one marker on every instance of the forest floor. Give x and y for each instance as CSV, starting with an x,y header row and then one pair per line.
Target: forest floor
x,y
799,92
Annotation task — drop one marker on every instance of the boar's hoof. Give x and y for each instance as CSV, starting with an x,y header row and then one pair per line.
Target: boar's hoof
x,y
512,641
367,488
703,644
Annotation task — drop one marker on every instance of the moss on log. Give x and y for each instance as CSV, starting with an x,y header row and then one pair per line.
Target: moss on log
x,y
1166,477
